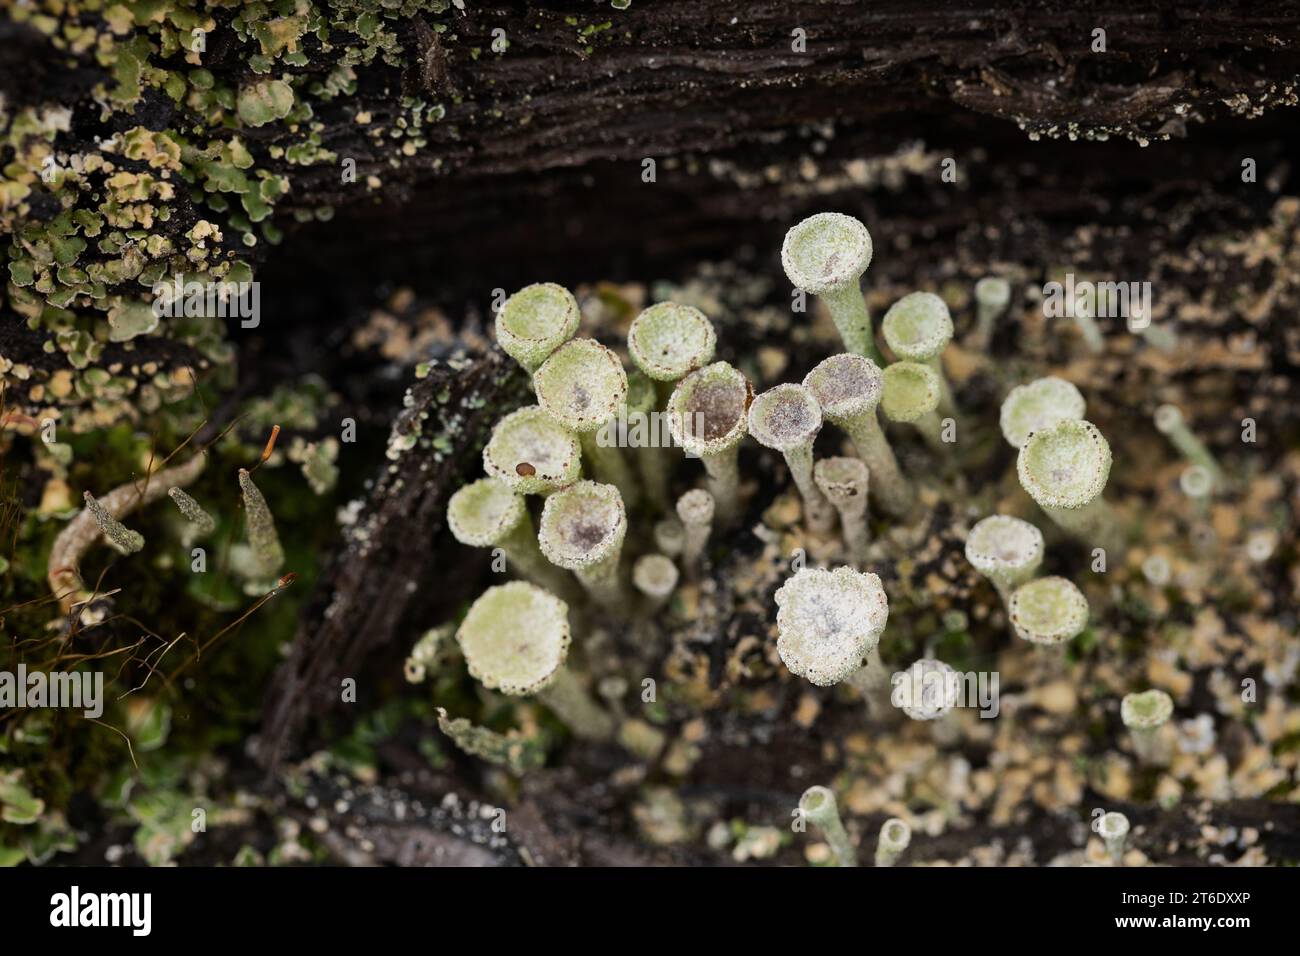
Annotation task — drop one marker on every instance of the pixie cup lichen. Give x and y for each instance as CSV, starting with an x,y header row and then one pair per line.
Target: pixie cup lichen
x,y
1146,715
895,838
992,296
668,341
488,513
1040,404
532,453
1006,550
917,328
848,388
707,416
536,321
515,639
826,255
1113,829
583,387
1064,468
1169,421
1048,611
819,808
929,691
655,576
695,509
844,482
582,531
910,395
787,419
829,625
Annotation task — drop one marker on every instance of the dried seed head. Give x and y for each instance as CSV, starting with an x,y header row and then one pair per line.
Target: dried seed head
x,y
1038,405
1000,544
695,507
842,480
706,412
785,418
582,525
1148,710
582,385
515,638
927,690
654,575
829,621
668,341
532,453
993,292
826,253
845,386
911,391
1065,465
1048,611
483,512
536,321
918,326
122,538
262,537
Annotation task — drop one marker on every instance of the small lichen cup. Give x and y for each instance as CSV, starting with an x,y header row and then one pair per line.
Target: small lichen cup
x,y
1064,468
911,396
583,387
1006,550
787,419
829,625
1039,404
826,255
1170,423
895,838
707,417
532,453
849,388
917,328
536,321
845,483
1146,715
992,296
1048,611
655,576
668,341
515,639
695,509
1113,829
582,530
929,691
820,809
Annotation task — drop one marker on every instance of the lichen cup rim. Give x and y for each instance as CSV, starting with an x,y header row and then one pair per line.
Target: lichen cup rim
x,y
651,330
841,402
804,260
497,658
542,476
483,511
829,657
918,326
923,391
529,334
556,541
1021,412
679,413
1042,459
993,291
582,385
986,556
1146,709
765,406
925,708
1048,610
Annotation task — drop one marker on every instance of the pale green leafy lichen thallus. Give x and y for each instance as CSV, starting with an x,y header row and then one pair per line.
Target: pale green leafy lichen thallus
x,y
536,321
583,387
515,639
848,388
829,625
707,415
826,255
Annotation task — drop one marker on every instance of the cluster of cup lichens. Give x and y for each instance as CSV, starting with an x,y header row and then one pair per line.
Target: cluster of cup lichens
x,y
829,622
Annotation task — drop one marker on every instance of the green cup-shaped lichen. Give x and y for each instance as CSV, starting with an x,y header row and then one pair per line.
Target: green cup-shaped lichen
x,y
1064,468
669,341
655,576
911,394
826,255
895,838
1038,405
1006,550
695,509
787,419
992,296
707,417
1145,714
917,328
844,482
819,808
1048,611
1113,829
848,388
532,453
582,530
536,321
